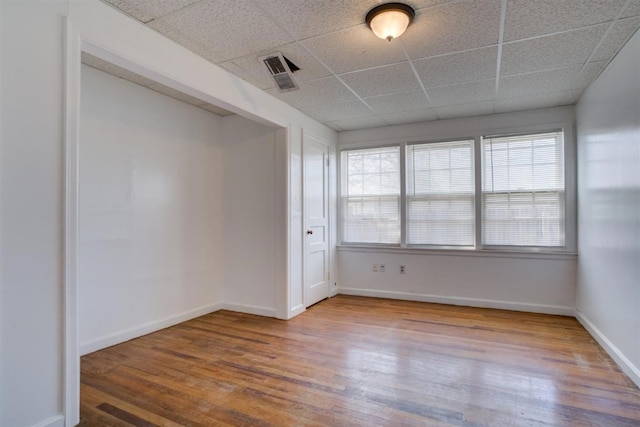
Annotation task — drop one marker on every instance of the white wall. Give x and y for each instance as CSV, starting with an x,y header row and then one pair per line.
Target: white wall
x,y
532,282
32,171
538,284
250,239
608,291
31,211
150,211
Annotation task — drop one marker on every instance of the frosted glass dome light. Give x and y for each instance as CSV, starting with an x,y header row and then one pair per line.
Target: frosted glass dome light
x,y
390,20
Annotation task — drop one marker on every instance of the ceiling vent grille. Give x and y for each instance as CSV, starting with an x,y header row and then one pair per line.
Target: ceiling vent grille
x,y
281,70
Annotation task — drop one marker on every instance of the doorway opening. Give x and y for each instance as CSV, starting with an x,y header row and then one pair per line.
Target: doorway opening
x,y
112,225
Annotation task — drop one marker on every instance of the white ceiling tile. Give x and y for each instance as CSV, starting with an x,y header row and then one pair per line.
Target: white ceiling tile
x,y
465,110
540,82
463,93
617,37
109,68
354,49
398,102
522,103
250,72
310,69
534,18
532,102
316,92
590,72
184,39
479,64
421,4
224,32
146,10
633,9
550,52
337,111
453,27
567,98
383,80
358,123
415,116
251,69
308,18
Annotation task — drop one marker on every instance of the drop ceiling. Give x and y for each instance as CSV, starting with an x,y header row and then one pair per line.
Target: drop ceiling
x,y
459,58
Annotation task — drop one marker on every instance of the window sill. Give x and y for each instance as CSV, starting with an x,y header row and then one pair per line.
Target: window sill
x,y
486,253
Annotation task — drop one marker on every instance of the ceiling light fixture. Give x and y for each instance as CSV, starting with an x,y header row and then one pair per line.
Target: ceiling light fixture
x,y
390,20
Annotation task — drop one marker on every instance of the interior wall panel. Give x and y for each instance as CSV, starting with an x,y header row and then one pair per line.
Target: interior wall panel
x,y
608,290
250,215
150,210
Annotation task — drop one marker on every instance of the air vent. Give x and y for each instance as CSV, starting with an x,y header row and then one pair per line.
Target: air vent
x,y
281,70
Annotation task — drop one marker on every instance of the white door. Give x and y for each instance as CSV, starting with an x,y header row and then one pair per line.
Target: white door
x,y
316,220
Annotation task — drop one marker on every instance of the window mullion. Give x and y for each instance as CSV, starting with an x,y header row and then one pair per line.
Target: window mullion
x,y
403,196
477,158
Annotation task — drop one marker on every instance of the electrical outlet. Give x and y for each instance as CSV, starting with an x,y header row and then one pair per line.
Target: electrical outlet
x,y
383,268
402,269
375,268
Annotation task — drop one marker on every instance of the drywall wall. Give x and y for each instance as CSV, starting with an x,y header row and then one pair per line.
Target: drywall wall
x,y
150,211
249,206
521,281
31,159
608,290
507,281
32,172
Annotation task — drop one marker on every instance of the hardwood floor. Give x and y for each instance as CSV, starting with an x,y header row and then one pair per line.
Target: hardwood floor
x,y
352,361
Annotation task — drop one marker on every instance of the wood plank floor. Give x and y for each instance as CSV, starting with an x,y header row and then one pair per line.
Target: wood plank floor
x,y
352,361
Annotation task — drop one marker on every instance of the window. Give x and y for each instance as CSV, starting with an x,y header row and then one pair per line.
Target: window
x,y
482,192
371,195
440,194
523,190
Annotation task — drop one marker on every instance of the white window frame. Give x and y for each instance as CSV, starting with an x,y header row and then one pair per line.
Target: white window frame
x,y
401,199
404,222
570,179
480,196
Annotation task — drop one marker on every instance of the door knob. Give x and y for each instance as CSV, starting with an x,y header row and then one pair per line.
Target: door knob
x,y
309,231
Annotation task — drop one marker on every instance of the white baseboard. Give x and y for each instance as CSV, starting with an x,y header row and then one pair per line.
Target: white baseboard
x,y
625,364
470,302
55,421
249,309
147,328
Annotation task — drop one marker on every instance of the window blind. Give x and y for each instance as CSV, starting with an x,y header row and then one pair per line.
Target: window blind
x,y
371,195
523,190
441,194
